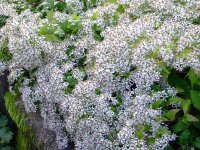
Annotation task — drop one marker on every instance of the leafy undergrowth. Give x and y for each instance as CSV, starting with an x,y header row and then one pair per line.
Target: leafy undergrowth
x,y
182,113
6,134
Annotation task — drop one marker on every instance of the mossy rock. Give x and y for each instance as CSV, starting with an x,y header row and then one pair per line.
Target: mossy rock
x,y
31,134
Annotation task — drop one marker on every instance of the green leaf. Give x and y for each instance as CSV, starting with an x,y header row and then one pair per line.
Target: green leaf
x,y
180,84
172,114
186,106
157,103
115,18
195,95
151,140
5,135
94,16
98,92
185,52
139,134
196,21
70,49
185,136
190,118
97,32
174,100
193,77
169,147
50,17
196,143
61,6
133,17
76,17
5,54
3,20
162,131
52,38
3,121
180,126
121,9
51,3
44,30
113,108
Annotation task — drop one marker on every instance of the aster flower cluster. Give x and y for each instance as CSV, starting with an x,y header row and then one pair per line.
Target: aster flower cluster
x,y
94,87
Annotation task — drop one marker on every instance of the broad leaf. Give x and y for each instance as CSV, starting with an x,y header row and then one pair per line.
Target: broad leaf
x,y
180,126
193,77
174,100
52,38
195,95
190,118
157,103
172,114
196,143
186,106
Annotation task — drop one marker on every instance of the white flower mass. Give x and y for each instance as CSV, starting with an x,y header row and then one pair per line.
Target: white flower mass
x,y
111,99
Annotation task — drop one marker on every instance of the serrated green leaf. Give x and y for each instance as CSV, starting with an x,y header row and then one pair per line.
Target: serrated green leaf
x,y
195,95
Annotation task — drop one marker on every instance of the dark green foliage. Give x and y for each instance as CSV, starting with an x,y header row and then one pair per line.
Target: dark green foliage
x,y
196,21
70,49
121,8
181,2
41,6
133,17
68,77
97,32
3,20
146,8
184,120
6,134
98,92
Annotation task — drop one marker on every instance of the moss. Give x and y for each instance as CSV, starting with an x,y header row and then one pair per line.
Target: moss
x,y
22,142
25,138
17,115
